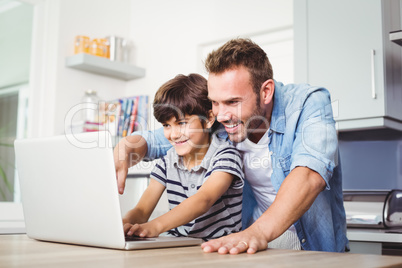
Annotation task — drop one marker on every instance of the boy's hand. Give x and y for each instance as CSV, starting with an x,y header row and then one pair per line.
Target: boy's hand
x,y
148,229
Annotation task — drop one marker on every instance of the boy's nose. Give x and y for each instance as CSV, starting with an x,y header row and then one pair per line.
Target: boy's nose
x,y
176,133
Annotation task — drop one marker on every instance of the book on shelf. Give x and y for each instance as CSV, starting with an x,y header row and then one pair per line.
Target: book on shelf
x,y
141,122
133,114
112,116
126,115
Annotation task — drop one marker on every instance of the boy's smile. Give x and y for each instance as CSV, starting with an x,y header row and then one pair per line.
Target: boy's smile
x,y
180,142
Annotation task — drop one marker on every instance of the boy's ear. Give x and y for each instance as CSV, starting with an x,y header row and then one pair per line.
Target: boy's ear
x,y
211,119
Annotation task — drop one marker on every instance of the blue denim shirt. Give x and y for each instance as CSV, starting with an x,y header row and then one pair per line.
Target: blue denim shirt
x,y
302,133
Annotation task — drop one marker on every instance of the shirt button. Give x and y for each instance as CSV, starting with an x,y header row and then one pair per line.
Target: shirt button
x,y
193,186
303,240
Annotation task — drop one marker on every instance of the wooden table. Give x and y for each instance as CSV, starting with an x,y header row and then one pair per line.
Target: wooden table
x,y
20,251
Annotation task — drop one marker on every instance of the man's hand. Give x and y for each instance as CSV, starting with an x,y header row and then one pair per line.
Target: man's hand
x,y
128,152
121,165
149,229
250,240
121,162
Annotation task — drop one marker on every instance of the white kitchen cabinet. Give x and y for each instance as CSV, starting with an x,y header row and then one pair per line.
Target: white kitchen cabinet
x,y
344,46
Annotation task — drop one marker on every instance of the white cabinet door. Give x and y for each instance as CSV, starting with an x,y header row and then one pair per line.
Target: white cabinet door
x,y
343,49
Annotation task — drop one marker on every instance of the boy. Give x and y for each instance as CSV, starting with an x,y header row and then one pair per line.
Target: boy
x,y
202,174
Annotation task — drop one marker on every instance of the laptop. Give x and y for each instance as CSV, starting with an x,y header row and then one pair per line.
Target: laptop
x,y
69,193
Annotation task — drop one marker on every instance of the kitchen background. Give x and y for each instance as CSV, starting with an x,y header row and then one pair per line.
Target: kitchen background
x,y
37,90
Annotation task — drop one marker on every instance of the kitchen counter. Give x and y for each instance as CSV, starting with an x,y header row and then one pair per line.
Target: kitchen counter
x,y
375,235
375,241
20,251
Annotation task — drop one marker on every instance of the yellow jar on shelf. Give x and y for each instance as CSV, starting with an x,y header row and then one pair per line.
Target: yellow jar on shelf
x,y
99,47
81,44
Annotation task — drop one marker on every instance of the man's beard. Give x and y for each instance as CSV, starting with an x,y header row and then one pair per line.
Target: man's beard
x,y
258,123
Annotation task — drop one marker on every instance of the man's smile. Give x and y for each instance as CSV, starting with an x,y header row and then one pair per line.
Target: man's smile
x,y
232,127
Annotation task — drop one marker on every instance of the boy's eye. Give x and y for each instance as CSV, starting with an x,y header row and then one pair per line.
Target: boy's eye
x,y
165,125
182,123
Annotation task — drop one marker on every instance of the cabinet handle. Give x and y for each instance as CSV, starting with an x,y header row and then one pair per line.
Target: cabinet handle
x,y
373,91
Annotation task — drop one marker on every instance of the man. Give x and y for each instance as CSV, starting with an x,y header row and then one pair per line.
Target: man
x,y
299,190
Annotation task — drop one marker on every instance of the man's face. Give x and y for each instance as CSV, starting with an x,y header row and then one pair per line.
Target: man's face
x,y
234,103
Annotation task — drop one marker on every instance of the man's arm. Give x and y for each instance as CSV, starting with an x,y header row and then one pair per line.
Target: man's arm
x,y
132,149
128,152
314,149
295,196
191,208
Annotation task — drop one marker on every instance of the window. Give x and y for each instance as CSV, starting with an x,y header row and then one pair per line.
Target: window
x,y
15,50
13,108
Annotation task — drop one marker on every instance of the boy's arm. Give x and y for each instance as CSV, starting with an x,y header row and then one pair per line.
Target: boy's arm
x,y
212,189
145,206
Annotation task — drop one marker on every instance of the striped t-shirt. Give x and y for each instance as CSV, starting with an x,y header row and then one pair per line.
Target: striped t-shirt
x,y
224,217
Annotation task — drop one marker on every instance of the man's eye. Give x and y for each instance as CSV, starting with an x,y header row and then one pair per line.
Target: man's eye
x,y
233,102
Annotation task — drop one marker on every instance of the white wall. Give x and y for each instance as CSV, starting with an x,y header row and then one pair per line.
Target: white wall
x,y
56,88
96,19
167,36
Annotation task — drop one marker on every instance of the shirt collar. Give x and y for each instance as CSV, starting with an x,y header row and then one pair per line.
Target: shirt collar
x,y
278,118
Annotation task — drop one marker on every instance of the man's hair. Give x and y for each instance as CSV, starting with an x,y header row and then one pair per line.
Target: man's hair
x,y
180,96
241,52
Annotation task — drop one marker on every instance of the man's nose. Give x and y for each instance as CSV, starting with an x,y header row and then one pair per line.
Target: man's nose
x,y
222,114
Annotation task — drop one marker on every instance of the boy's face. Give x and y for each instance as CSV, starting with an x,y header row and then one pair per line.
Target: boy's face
x,y
187,135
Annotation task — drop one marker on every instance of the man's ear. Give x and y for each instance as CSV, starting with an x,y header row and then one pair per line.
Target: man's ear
x,y
267,91
211,119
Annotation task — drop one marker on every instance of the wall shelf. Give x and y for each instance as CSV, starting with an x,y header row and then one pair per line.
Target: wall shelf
x,y
103,66
396,37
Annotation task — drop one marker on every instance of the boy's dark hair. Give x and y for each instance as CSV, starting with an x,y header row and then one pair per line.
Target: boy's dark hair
x,y
241,52
180,96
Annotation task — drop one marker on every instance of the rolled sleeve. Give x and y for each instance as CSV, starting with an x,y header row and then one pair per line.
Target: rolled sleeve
x,y
316,140
316,165
157,144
